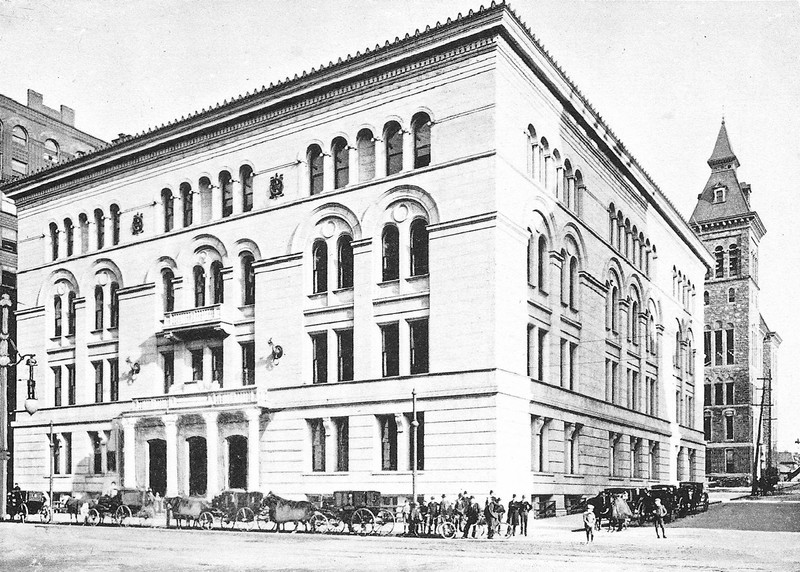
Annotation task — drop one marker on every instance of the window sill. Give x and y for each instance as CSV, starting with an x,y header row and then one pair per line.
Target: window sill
x,y
344,289
389,282
419,277
317,295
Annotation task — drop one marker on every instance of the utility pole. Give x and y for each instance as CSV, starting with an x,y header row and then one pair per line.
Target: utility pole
x,y
52,461
414,425
765,394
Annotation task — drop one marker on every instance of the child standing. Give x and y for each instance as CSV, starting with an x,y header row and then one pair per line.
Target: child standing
x,y
588,523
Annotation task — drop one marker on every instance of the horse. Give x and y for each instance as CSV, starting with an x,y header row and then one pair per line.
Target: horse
x,y
193,510
78,506
283,510
620,513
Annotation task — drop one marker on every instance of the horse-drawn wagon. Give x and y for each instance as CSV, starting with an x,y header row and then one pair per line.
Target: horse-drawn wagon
x,y
696,496
23,504
122,507
357,511
240,509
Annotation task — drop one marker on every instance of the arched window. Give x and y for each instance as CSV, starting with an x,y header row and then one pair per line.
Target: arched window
x,y
19,136
421,127
634,322
57,316
393,138
100,231
541,262
226,186
544,161
678,349
573,282
576,191
169,209
706,298
532,152
54,240
419,247
731,295
568,184
168,287
341,163
319,266
719,262
186,202
199,286
83,221
314,159
98,307
390,241
248,279
114,210
613,309
345,254
206,199
554,176
246,179
216,282
366,155
69,236
532,266
114,317
733,260
51,151
71,313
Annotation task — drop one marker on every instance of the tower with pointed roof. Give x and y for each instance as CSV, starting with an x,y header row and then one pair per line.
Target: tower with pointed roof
x,y
740,350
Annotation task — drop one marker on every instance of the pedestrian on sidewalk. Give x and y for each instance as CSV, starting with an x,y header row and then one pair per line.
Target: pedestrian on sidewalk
x,y
588,523
524,508
659,512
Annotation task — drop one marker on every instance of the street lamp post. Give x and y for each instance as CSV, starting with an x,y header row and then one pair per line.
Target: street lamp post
x,y
8,360
414,453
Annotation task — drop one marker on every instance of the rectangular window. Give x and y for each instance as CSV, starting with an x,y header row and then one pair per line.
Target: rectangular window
x,y
707,348
98,381
168,360
540,353
19,168
97,455
217,365
57,386
113,373
342,443
390,340
345,351
248,363
419,346
729,427
532,351
564,367
653,397
635,398
388,434
420,440
66,444
707,394
718,347
678,407
71,385
317,445
197,364
730,348
319,357
573,351
718,394
729,393
614,382
707,428
730,466
690,411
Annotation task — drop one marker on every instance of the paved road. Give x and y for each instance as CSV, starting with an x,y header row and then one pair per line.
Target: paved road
x,y
553,547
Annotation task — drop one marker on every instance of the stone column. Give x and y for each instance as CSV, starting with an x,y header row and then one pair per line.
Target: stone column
x,y
171,437
327,172
537,463
129,462
380,158
330,444
403,442
207,364
107,230
197,204
212,454
408,150
177,210
216,200
352,165
253,448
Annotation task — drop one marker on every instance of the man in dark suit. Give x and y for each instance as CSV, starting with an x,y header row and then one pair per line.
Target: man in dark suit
x,y
524,508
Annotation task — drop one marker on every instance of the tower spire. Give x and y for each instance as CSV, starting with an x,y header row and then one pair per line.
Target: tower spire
x,y
723,156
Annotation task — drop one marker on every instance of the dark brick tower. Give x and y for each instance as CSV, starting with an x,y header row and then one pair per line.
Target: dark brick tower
x,y
735,334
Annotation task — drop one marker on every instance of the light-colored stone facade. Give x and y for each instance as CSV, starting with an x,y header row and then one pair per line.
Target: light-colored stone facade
x,y
536,218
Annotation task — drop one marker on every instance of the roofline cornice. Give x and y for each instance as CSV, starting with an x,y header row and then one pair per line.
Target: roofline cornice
x,y
750,217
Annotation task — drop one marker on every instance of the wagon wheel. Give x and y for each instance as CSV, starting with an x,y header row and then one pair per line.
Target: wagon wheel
x,y
45,514
23,513
362,522
447,530
336,525
265,523
122,515
384,522
319,523
93,517
245,519
205,520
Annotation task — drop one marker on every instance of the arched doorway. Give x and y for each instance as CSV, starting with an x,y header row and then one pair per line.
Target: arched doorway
x,y
198,471
157,469
237,462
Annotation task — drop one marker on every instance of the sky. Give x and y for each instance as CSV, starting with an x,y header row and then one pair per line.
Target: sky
x,y
662,74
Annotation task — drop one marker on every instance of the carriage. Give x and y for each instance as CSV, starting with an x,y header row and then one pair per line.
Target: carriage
x,y
240,509
23,504
672,499
360,512
122,507
697,497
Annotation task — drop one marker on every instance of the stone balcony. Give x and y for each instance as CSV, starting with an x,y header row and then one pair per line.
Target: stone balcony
x,y
197,323
234,398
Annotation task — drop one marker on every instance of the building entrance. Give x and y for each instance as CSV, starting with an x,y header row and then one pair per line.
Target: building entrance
x,y
237,462
198,473
157,477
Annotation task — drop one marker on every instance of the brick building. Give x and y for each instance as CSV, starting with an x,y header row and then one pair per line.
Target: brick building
x,y
445,213
740,351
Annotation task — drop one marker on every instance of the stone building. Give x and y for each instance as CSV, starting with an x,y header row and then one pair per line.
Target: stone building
x,y
740,351
445,213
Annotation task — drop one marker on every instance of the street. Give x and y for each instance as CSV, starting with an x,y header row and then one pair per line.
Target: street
x,y
554,544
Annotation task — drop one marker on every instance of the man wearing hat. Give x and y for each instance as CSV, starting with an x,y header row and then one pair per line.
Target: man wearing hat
x,y
588,523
